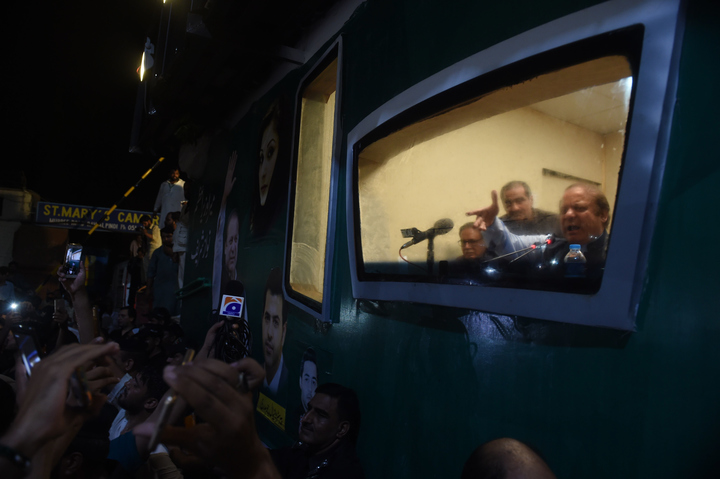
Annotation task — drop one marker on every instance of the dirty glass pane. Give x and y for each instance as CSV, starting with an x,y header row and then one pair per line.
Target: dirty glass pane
x,y
550,132
312,190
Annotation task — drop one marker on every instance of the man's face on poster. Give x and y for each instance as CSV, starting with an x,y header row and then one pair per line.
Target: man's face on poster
x,y
267,158
273,330
231,244
308,383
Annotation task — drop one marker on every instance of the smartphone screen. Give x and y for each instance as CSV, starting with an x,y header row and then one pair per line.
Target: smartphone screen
x,y
73,254
28,349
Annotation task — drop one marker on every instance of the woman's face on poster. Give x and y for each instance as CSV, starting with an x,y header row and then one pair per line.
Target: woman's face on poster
x,y
268,158
231,244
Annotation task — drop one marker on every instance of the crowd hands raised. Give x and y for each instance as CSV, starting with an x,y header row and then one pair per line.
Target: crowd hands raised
x,y
94,402
47,430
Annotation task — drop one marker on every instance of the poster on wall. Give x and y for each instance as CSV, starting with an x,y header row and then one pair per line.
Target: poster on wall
x,y
272,400
310,367
273,165
261,171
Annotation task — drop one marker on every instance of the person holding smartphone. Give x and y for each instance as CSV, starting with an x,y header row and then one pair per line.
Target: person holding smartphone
x,y
44,414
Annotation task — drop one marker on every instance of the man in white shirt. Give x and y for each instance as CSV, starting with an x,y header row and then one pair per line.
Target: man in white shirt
x,y
170,196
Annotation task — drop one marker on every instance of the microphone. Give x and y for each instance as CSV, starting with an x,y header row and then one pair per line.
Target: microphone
x,y
231,303
440,227
234,340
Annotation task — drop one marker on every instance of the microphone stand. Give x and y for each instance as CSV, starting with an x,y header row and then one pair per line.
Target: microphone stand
x,y
431,254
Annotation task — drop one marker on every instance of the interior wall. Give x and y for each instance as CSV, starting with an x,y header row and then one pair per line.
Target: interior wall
x,y
613,146
455,173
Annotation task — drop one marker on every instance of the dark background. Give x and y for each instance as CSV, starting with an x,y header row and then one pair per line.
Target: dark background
x,y
71,84
71,96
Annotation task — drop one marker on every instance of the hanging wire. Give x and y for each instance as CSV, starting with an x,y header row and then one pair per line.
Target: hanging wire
x,y
408,262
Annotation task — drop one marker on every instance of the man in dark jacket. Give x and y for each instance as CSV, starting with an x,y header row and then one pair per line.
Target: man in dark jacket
x,y
328,433
521,217
584,218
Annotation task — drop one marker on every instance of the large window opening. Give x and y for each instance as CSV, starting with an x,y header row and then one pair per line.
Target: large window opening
x,y
311,200
539,135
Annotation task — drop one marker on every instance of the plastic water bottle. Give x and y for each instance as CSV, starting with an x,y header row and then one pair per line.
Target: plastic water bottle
x,y
575,262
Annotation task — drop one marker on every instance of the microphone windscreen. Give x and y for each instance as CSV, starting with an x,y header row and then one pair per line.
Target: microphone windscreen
x,y
443,226
234,288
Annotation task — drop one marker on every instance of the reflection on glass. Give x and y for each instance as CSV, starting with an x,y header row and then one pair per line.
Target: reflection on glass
x,y
312,190
547,133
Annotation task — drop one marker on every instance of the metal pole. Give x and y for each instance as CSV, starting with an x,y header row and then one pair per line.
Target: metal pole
x,y
127,193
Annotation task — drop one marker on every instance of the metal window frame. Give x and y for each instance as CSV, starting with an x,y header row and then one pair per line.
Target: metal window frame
x,y
319,310
615,304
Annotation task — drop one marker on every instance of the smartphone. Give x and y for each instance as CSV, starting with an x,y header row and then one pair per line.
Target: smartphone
x,y
25,338
167,406
73,254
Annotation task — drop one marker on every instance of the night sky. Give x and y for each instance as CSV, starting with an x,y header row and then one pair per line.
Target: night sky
x,y
72,68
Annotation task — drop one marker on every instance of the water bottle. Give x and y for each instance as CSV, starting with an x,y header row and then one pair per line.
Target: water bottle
x,y
575,262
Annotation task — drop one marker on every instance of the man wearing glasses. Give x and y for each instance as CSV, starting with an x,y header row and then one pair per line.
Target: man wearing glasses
x,y
471,243
472,265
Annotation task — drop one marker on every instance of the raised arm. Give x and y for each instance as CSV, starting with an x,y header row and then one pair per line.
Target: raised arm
x,y
497,237
223,398
486,216
81,303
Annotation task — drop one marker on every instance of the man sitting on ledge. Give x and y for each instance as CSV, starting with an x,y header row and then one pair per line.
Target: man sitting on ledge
x,y
328,433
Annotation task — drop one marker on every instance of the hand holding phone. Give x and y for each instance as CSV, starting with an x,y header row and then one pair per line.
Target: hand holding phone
x,y
24,334
43,414
228,437
72,285
73,256
167,406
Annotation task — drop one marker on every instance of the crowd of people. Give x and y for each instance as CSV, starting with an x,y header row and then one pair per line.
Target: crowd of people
x,y
127,374
47,432
80,397
157,253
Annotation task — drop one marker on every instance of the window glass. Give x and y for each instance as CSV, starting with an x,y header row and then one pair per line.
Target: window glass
x,y
312,186
546,133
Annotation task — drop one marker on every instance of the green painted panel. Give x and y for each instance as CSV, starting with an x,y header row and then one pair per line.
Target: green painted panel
x,y
436,382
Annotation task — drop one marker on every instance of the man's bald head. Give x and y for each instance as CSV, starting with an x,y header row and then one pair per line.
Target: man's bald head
x,y
505,459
